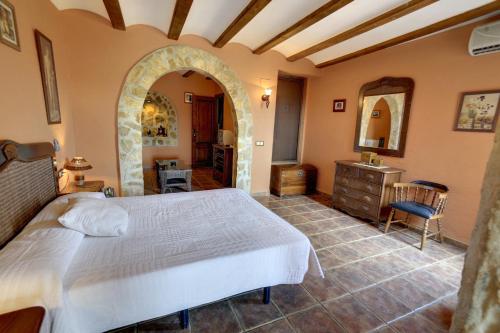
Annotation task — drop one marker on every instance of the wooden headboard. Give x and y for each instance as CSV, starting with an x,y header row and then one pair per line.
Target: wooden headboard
x,y
28,182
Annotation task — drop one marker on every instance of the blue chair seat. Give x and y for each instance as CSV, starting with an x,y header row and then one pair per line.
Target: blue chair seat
x,y
415,208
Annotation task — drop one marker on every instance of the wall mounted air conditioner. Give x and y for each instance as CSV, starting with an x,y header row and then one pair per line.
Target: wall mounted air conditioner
x,y
485,39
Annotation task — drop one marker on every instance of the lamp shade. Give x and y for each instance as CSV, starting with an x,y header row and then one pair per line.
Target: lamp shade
x,y
77,164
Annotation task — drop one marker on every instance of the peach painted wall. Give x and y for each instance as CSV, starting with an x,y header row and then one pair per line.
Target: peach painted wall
x,y
22,105
173,85
102,58
442,70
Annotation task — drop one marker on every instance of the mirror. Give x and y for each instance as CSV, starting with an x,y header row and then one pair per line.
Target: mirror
x,y
383,113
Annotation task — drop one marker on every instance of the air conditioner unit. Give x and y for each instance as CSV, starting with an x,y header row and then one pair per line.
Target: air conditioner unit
x,y
485,39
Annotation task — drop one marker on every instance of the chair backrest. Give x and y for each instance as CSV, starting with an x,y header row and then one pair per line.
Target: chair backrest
x,y
167,164
431,184
424,192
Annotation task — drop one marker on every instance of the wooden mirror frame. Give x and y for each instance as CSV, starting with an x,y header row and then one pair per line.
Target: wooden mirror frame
x,y
384,86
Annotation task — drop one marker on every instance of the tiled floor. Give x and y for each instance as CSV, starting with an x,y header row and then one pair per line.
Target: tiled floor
x,y
373,282
201,180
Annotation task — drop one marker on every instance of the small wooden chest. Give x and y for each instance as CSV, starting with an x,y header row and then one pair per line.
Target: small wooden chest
x,y
293,179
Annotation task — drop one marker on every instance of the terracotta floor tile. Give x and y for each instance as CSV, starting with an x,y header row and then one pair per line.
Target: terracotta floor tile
x,y
347,221
328,260
167,324
415,323
323,289
296,219
220,315
446,273
408,293
314,320
441,313
291,298
430,284
387,243
283,211
367,247
314,216
382,303
353,316
324,240
456,262
316,206
347,251
129,329
301,209
279,326
382,267
414,256
327,225
309,228
331,213
348,235
434,250
352,278
252,312
384,329
367,230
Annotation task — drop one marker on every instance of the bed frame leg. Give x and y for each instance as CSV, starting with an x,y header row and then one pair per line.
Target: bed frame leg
x,y
184,318
267,295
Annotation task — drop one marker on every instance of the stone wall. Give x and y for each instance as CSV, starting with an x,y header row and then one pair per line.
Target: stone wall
x,y
140,79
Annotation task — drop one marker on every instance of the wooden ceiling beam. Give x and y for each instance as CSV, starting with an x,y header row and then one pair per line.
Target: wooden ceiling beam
x,y
188,73
319,14
441,25
250,11
386,17
181,11
115,14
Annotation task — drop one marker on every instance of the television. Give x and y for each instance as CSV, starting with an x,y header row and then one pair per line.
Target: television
x,y
225,137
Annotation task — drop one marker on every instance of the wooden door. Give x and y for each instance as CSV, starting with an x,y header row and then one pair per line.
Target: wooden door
x,y
204,130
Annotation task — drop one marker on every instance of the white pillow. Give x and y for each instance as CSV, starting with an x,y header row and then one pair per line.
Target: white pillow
x,y
95,217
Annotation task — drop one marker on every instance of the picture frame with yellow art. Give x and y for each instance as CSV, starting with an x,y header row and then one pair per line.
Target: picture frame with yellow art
x,y
8,25
478,111
49,78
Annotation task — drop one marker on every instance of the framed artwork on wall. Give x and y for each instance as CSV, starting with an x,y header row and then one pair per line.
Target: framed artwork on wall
x,y
339,105
49,80
478,111
188,97
8,25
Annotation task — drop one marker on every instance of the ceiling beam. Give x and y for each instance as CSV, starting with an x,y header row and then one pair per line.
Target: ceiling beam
x,y
386,17
181,12
250,11
319,14
188,73
115,14
441,25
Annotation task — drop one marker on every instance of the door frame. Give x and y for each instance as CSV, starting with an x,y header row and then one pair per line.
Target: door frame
x,y
214,136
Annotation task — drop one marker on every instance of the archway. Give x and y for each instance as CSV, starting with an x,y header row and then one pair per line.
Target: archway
x,y
140,79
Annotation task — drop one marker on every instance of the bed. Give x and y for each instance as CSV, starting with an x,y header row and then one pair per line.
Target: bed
x,y
181,250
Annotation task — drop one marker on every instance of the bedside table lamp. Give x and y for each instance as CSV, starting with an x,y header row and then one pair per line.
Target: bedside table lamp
x,y
78,164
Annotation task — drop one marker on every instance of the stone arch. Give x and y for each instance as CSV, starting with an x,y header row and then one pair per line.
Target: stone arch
x,y
137,84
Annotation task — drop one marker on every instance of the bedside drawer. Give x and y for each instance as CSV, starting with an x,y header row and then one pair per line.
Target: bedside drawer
x,y
362,197
347,171
371,176
343,181
367,187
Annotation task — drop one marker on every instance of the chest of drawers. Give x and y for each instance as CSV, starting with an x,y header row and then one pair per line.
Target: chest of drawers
x,y
364,191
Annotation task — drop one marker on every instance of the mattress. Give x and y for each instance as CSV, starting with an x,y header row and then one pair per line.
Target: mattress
x,y
181,250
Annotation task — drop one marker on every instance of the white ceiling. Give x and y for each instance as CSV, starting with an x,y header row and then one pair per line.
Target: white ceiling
x,y
209,18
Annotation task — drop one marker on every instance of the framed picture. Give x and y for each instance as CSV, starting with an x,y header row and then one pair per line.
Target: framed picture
x,y
339,105
188,97
8,25
49,80
376,114
478,111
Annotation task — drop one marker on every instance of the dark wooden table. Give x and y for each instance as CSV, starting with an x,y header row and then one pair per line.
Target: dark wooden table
x,y
27,320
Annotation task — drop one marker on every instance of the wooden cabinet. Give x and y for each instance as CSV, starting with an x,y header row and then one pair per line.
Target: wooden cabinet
x,y
364,191
223,165
89,186
293,179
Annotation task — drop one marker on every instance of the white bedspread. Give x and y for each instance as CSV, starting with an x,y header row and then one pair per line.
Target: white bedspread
x,y
181,250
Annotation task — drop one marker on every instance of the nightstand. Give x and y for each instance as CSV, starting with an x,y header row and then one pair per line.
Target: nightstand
x,y
90,186
27,320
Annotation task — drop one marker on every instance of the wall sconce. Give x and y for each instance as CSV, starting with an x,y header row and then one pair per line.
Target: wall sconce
x,y
265,97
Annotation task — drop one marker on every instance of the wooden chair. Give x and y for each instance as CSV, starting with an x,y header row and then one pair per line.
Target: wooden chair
x,y
423,199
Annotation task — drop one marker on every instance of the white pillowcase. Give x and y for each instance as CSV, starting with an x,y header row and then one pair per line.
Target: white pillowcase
x,y
95,217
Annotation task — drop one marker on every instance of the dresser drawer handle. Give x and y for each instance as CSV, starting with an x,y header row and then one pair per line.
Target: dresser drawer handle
x,y
344,190
369,176
369,187
367,198
365,208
